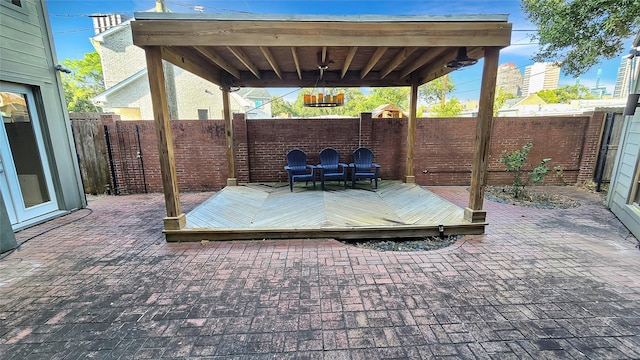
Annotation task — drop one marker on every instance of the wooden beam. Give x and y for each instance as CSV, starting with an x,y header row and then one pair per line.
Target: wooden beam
x,y
324,55
186,60
175,219
399,59
228,134
244,59
373,61
296,61
216,59
411,134
320,33
272,61
424,58
484,125
348,60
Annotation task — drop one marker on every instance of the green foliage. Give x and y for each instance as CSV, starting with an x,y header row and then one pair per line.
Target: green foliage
x,y
451,108
514,161
500,99
84,82
433,91
564,94
579,33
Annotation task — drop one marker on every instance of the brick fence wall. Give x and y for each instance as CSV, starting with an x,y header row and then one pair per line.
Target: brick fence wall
x,y
443,152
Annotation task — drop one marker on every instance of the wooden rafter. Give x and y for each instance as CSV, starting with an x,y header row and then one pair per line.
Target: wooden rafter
x,y
436,69
348,60
216,59
296,61
421,60
323,57
272,61
373,61
399,59
245,60
187,60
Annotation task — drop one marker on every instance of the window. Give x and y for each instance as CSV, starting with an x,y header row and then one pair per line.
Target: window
x,y
15,2
203,114
258,103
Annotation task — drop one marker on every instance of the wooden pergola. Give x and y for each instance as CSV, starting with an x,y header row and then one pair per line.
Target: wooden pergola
x,y
285,51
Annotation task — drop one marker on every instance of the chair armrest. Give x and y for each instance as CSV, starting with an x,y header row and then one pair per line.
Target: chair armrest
x,y
376,165
287,167
343,165
319,166
352,165
311,166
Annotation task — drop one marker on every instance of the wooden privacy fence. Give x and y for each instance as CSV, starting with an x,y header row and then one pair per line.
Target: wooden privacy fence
x,y
122,156
92,152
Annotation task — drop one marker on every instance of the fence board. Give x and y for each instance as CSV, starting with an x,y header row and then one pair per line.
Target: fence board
x,y
91,149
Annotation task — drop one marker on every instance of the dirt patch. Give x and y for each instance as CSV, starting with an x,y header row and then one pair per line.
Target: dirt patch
x,y
531,197
408,244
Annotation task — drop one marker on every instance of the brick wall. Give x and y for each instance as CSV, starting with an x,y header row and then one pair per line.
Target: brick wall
x,y
443,152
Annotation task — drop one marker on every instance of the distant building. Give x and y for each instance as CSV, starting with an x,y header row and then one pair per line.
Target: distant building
x,y
509,79
102,22
623,79
388,111
540,76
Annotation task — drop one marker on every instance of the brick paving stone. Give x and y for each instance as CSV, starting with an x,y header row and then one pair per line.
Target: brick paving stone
x,y
540,284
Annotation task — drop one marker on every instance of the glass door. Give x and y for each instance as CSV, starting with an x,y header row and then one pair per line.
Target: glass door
x,y
25,177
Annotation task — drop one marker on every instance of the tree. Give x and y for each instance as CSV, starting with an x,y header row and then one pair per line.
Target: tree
x,y
84,82
500,99
435,90
451,108
564,94
579,33
398,96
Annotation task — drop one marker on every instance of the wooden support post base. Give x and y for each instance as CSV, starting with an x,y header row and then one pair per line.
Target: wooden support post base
x,y
475,216
175,223
410,179
232,182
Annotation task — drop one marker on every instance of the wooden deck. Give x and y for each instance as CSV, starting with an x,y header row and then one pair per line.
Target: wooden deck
x,y
271,211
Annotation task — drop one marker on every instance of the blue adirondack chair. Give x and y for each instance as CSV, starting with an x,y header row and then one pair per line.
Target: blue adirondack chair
x,y
297,168
363,166
330,167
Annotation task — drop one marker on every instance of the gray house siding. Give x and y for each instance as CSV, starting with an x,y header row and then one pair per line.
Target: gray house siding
x,y
624,176
27,57
626,166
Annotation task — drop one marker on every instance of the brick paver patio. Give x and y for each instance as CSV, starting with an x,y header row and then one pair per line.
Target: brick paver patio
x,y
105,285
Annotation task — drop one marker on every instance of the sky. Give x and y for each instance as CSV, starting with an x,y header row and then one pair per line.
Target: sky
x,y
72,27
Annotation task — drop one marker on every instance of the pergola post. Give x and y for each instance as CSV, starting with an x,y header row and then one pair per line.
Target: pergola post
x,y
411,134
474,212
232,180
175,219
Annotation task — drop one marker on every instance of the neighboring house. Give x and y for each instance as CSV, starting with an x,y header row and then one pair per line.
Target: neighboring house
x,y
388,111
127,85
533,105
624,190
39,175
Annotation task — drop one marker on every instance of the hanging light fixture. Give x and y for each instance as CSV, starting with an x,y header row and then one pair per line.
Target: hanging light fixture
x,y
323,98
461,60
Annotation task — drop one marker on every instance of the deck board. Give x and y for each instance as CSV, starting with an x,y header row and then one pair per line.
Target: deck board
x,y
264,210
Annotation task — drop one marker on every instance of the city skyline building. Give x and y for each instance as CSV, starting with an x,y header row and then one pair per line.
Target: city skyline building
x,y
509,79
623,79
540,76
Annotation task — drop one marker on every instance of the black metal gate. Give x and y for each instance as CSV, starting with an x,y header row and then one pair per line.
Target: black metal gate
x,y
126,160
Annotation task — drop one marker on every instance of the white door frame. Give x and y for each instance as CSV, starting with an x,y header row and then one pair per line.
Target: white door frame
x,y
9,181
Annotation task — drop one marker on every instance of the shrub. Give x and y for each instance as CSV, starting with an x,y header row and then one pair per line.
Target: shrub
x,y
514,161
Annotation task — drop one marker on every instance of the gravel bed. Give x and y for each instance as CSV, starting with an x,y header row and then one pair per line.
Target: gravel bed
x,y
405,244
